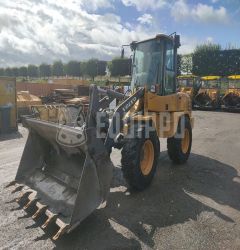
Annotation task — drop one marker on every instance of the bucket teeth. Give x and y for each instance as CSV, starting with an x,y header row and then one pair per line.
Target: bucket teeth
x,y
12,183
60,232
32,201
23,195
18,188
41,209
50,219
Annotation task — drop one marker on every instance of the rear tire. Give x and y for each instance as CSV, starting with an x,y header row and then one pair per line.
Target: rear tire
x,y
179,148
139,160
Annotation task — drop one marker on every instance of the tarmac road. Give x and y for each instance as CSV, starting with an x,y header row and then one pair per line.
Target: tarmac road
x,y
194,206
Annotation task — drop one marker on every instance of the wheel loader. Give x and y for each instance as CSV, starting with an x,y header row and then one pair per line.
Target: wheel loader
x,y
65,171
188,84
208,96
231,97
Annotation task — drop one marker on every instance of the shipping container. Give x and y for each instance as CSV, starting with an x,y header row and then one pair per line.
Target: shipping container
x,y
8,105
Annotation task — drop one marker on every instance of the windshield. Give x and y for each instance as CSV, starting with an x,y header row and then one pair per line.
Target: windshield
x,y
234,83
211,84
186,82
146,63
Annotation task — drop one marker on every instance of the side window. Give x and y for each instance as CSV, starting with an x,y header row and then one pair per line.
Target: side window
x,y
169,57
169,69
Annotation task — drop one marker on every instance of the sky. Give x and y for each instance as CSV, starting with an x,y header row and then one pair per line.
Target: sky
x,y
36,31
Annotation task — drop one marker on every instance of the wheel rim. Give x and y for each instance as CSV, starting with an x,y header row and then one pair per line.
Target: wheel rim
x,y
148,157
185,141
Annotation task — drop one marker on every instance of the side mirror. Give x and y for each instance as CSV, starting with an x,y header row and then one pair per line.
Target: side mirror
x,y
177,41
133,45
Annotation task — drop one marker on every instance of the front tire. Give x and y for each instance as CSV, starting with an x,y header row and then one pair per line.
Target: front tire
x,y
139,160
179,148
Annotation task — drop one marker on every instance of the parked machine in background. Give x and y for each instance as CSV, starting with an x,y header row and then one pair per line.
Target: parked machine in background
x,y
231,98
66,170
208,96
66,96
59,96
81,96
24,102
188,84
8,105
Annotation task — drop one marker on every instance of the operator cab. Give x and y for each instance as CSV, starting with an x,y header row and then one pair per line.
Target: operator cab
x,y
187,81
234,82
211,82
154,64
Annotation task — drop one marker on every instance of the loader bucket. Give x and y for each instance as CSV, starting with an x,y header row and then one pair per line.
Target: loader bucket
x,y
203,99
64,171
207,98
232,99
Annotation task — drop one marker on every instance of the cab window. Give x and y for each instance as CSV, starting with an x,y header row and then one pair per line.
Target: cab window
x,y
169,69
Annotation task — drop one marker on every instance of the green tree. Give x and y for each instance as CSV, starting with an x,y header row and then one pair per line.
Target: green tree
x,y
45,70
230,62
32,70
186,64
23,71
2,72
83,68
57,68
120,67
206,59
179,58
8,72
15,71
101,68
65,69
92,68
73,68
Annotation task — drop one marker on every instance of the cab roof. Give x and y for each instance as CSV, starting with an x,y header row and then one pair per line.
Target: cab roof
x,y
209,78
186,76
234,77
158,36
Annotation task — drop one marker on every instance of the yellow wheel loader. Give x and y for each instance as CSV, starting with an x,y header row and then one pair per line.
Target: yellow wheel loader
x,y
231,98
65,171
208,96
188,84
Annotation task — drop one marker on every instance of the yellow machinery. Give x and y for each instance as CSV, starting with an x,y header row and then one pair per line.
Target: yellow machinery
x,y
24,102
231,98
188,84
208,96
8,113
65,171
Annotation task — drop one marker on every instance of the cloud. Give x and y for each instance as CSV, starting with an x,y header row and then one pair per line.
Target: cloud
x,y
204,13
34,31
188,44
96,4
145,19
145,5
209,39
180,11
207,13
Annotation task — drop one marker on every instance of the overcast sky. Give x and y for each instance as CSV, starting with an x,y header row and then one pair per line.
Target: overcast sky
x,y
35,31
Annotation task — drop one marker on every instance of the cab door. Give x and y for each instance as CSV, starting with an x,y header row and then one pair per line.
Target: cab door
x,y
169,72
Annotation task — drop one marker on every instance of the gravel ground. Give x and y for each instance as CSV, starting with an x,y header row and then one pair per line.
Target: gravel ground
x,y
194,206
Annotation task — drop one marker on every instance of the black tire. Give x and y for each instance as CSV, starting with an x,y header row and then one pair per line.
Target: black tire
x,y
131,161
174,144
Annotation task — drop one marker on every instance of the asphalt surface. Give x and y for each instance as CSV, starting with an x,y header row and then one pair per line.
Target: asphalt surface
x,y
193,206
